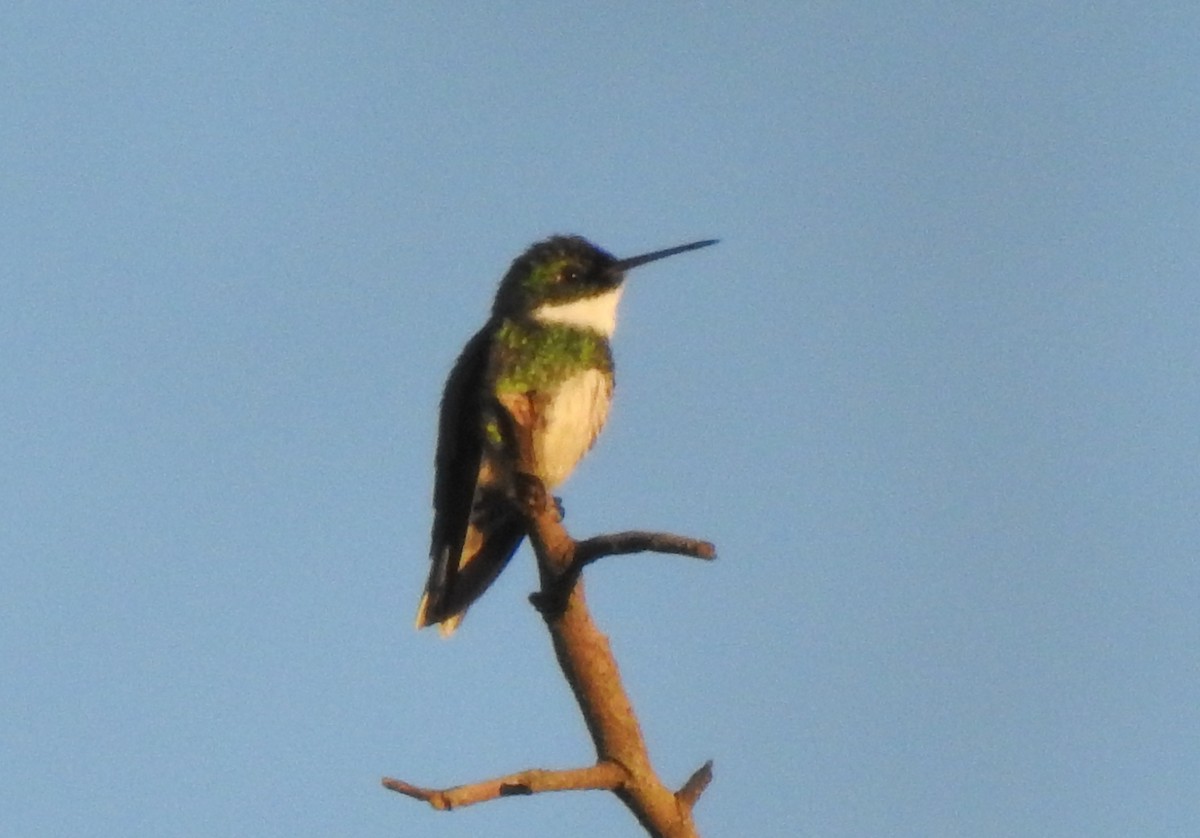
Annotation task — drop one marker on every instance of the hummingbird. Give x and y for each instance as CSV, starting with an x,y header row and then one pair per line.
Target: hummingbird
x,y
529,394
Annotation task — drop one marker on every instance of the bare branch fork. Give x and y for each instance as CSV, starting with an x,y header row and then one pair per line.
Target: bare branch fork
x,y
622,762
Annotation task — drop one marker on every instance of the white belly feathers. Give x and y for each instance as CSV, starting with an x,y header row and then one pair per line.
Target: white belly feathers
x,y
572,419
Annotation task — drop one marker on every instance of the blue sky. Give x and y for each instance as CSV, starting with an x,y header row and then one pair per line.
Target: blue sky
x,y
934,397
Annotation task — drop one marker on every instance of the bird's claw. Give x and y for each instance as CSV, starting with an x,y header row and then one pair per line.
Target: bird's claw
x,y
530,492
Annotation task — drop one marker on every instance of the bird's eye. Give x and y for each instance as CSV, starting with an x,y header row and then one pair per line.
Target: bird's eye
x,y
568,274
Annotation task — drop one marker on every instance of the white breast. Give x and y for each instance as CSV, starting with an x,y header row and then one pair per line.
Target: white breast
x,y
572,420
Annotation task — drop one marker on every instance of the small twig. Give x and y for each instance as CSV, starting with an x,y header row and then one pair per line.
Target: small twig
x,y
640,541
690,792
606,776
574,556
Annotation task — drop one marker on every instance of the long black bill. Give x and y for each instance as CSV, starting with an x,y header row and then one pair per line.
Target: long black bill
x,y
634,261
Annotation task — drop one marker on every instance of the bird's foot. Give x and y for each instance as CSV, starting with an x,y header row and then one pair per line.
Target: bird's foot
x,y
530,493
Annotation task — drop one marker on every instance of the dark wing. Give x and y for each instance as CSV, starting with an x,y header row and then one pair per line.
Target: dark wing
x,y
459,455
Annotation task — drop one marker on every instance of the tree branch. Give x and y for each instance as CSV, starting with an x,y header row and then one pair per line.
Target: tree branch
x,y
695,785
591,670
639,541
604,776
623,764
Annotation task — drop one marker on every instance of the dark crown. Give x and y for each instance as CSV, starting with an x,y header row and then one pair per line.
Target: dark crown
x,y
560,268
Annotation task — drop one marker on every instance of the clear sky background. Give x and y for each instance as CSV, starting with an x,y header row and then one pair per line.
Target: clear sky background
x,y
934,396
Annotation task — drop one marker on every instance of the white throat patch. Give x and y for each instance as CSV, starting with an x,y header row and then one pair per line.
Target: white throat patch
x,y
598,313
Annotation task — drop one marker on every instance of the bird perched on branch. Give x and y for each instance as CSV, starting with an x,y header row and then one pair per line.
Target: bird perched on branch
x,y
528,395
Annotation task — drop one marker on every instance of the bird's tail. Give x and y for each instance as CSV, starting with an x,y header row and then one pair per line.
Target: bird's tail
x,y
454,585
